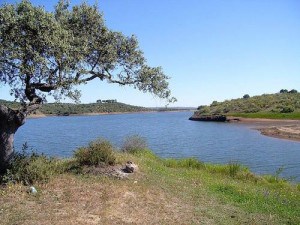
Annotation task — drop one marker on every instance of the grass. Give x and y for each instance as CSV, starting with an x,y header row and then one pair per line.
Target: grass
x,y
163,191
268,115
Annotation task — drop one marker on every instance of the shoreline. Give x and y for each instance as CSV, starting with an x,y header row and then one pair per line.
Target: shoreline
x,y
276,128
41,115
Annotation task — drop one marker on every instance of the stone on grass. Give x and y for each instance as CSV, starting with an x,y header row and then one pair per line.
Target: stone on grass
x,y
130,167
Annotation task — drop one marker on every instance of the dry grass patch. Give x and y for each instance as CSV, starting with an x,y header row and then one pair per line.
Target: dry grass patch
x,y
92,200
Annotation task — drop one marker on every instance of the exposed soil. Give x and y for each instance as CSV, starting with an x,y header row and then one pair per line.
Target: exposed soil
x,y
285,129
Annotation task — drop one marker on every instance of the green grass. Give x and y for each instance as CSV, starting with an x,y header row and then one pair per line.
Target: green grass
x,y
233,184
268,115
196,192
236,186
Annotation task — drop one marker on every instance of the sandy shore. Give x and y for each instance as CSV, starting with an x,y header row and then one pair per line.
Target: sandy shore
x,y
285,129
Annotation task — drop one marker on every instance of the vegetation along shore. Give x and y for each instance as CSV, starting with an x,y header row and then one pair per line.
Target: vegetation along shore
x,y
93,188
276,115
67,109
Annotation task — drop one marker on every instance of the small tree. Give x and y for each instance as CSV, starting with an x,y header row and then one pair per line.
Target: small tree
x,y
50,53
246,96
282,91
293,91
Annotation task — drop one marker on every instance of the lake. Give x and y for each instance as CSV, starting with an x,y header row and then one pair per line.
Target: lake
x,y
169,135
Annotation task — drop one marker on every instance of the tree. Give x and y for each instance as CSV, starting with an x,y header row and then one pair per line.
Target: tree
x,y
246,96
282,91
293,91
51,53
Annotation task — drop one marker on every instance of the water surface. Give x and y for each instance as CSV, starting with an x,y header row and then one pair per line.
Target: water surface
x,y
169,134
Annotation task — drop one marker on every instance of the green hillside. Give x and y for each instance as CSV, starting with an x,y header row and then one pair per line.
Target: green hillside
x,y
276,106
100,107
69,108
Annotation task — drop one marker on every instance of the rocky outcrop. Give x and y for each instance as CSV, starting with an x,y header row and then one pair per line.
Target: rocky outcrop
x,y
212,118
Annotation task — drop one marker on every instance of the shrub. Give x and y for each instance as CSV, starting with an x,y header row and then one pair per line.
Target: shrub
x,y
282,91
134,144
100,152
30,168
246,96
276,177
214,103
234,168
293,91
287,109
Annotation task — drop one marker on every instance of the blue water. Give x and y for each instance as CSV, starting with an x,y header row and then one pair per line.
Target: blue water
x,y
169,134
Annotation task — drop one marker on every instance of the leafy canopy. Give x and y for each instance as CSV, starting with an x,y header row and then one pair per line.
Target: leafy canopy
x,y
52,52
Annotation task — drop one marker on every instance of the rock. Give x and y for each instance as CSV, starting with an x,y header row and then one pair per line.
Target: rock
x,y
212,118
119,173
32,190
130,167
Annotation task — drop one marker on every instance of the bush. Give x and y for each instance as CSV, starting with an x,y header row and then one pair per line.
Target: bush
x,y
234,168
282,91
30,168
133,144
100,152
287,109
293,91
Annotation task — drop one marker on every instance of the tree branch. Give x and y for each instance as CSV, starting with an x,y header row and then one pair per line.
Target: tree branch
x,y
30,92
44,87
108,76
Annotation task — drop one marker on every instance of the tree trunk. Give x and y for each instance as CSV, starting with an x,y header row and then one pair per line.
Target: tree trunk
x,y
10,121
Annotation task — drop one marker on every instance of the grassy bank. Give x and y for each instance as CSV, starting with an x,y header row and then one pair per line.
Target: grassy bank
x,y
268,115
162,191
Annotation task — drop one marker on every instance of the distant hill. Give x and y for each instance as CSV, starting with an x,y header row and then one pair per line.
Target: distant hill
x,y
69,108
100,107
276,106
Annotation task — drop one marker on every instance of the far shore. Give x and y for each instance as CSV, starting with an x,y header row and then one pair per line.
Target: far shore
x,y
277,128
41,115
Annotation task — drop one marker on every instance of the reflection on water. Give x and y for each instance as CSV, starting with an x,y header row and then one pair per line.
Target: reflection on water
x,y
169,135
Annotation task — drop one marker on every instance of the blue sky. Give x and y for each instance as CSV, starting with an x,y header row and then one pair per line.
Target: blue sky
x,y
212,50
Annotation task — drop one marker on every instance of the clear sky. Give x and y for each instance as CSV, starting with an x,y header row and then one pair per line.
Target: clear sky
x,y
212,50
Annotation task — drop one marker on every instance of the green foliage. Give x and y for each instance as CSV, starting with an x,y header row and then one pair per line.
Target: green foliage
x,y
287,109
246,96
134,144
283,91
293,91
30,168
51,52
100,152
278,106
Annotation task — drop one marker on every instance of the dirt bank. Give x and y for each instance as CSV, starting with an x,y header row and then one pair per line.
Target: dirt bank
x,y
285,129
